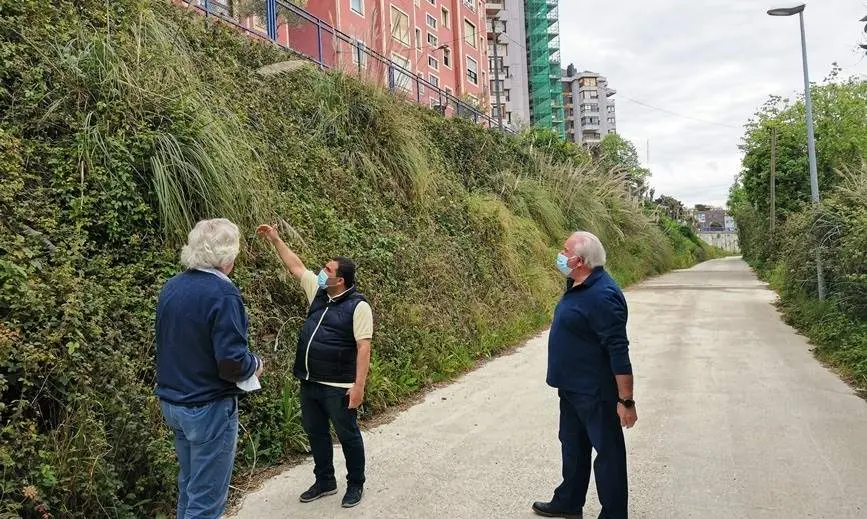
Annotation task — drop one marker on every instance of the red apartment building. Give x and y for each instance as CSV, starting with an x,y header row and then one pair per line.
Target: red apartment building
x,y
442,41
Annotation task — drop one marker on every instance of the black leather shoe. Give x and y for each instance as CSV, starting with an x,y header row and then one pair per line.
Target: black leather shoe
x,y
547,510
353,496
318,490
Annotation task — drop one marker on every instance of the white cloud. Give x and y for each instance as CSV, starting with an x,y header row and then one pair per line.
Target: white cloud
x,y
715,60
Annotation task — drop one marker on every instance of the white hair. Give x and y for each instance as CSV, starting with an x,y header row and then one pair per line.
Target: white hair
x,y
588,246
211,244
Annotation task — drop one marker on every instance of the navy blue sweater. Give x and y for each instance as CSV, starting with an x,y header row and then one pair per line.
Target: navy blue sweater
x,y
587,344
201,334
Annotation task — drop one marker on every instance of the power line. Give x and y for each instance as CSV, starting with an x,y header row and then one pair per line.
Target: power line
x,y
658,109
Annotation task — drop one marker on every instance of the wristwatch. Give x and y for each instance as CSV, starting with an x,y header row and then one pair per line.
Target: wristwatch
x,y
627,403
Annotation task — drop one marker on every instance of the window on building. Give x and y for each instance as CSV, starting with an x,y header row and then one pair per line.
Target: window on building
x,y
432,40
444,18
611,120
433,63
594,94
434,80
402,80
507,94
471,4
470,33
418,38
399,25
357,6
501,50
432,2
447,57
495,64
587,81
473,70
610,109
431,21
419,83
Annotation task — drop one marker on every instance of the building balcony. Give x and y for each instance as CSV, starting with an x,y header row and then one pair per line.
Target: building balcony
x,y
494,27
494,8
472,5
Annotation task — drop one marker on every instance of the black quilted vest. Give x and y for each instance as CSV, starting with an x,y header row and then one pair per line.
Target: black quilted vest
x,y
326,349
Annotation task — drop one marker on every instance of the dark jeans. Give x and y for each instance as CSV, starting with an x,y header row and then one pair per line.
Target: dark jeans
x,y
319,405
205,440
587,424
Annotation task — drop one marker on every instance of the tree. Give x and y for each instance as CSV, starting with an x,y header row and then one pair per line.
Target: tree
x,y
550,141
671,206
702,207
841,142
618,154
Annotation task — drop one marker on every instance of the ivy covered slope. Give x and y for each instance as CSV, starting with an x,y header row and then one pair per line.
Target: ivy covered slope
x,y
125,122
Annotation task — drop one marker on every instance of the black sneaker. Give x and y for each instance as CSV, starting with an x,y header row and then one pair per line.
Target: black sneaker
x,y
353,496
318,490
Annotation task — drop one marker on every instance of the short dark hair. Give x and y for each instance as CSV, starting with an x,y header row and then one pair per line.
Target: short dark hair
x,y
346,270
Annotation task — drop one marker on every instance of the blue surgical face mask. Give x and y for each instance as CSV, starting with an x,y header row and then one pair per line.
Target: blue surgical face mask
x,y
322,279
563,264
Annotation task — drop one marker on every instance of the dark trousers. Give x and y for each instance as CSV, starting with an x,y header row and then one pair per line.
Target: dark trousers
x,y
321,404
587,424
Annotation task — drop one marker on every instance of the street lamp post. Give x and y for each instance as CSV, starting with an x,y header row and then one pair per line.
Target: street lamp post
x,y
811,136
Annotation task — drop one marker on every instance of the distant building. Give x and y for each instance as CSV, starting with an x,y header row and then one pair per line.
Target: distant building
x,y
714,219
589,106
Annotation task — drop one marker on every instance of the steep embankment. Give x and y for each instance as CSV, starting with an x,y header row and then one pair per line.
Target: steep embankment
x,y
125,122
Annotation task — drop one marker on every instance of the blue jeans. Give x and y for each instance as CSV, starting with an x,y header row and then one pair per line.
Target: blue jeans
x,y
319,405
587,424
205,441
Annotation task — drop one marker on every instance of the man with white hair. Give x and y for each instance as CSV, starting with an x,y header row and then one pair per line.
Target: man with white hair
x,y
202,363
588,363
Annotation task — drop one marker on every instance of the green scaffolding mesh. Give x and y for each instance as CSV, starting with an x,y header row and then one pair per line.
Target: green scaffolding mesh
x,y
543,59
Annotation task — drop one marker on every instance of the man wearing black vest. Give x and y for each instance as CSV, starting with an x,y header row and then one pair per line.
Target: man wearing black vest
x,y
331,360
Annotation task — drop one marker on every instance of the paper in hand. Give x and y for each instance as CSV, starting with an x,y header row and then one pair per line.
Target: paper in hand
x,y
252,383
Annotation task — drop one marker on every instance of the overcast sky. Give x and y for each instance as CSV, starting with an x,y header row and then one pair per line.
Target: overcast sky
x,y
714,60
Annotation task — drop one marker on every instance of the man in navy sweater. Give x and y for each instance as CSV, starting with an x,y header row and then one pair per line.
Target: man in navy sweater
x,y
202,363
588,362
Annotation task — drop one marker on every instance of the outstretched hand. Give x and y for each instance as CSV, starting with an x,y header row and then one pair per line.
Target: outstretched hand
x,y
268,232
